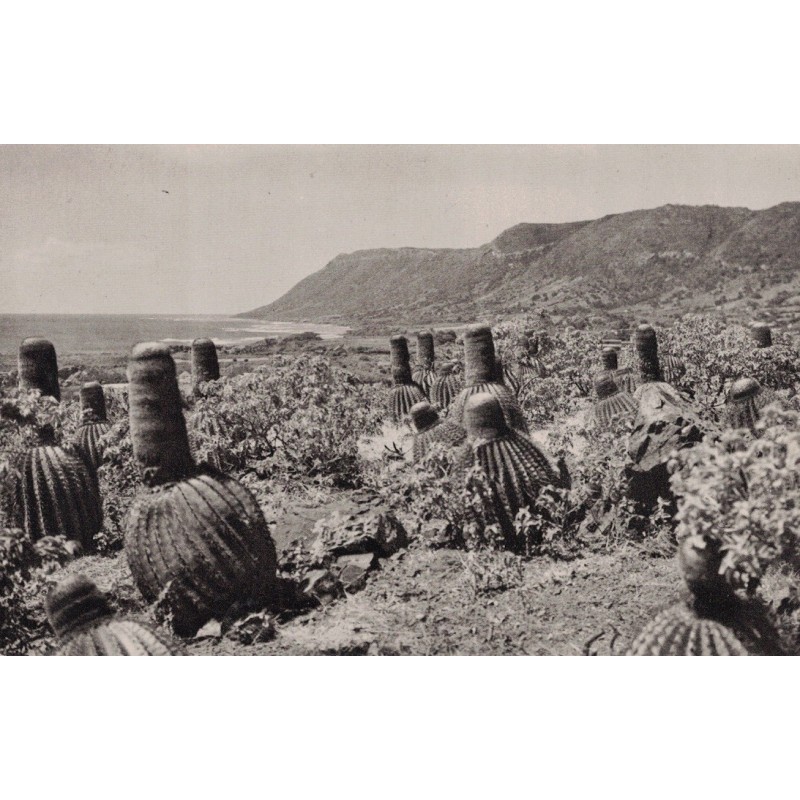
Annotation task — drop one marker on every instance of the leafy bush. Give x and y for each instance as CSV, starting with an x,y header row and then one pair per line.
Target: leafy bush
x,y
743,492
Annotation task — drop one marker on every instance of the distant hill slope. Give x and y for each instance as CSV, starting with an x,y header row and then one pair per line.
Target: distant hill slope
x,y
672,254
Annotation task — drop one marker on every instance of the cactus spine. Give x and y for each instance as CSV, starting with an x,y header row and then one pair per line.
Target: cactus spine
x,y
612,403
83,620
38,367
430,429
425,370
197,541
95,424
480,373
405,392
515,467
205,364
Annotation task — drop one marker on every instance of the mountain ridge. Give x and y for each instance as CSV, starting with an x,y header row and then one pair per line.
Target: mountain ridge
x,y
663,255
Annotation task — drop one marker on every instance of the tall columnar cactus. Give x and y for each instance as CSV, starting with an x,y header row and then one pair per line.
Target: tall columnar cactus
x,y
646,344
38,367
94,423
612,403
447,385
405,392
196,538
85,624
480,376
424,373
715,621
430,429
515,467
761,333
741,407
205,364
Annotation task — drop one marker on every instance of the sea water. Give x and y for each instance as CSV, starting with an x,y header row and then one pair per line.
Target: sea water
x,y
117,333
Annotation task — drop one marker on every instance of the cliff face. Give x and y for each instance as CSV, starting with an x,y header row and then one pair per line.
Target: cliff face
x,y
622,259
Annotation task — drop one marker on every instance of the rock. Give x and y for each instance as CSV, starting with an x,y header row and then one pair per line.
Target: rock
x,y
664,423
369,530
322,585
252,629
352,570
211,630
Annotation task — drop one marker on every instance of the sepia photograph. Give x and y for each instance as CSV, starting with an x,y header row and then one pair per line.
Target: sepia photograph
x,y
268,400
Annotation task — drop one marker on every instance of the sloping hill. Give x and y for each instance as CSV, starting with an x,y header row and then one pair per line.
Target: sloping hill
x,y
668,254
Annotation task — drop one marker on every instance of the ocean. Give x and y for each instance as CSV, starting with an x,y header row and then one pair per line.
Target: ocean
x,y
117,333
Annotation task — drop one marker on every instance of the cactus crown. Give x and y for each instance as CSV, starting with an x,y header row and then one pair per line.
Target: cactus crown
x,y
483,417
605,386
75,603
610,361
762,334
401,361
205,364
158,429
646,345
423,416
744,389
38,367
425,354
93,402
479,356
699,559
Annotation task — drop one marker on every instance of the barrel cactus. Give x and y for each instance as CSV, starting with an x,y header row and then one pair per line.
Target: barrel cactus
x,y
715,621
762,334
480,377
515,467
505,375
612,403
94,424
672,368
430,429
447,385
741,408
405,392
424,373
205,364
56,493
37,367
196,539
85,624
610,359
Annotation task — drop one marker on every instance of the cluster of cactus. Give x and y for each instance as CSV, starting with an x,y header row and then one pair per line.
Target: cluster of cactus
x,y
85,625
481,377
430,428
196,539
56,493
94,424
405,392
205,363
612,402
424,373
515,467
715,621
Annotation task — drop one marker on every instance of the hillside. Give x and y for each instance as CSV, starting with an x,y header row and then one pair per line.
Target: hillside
x,y
690,257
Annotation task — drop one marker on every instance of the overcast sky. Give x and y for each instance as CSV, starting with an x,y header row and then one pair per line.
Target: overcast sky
x,y
222,229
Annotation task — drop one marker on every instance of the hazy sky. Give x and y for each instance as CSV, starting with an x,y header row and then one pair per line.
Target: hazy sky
x,y
222,229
